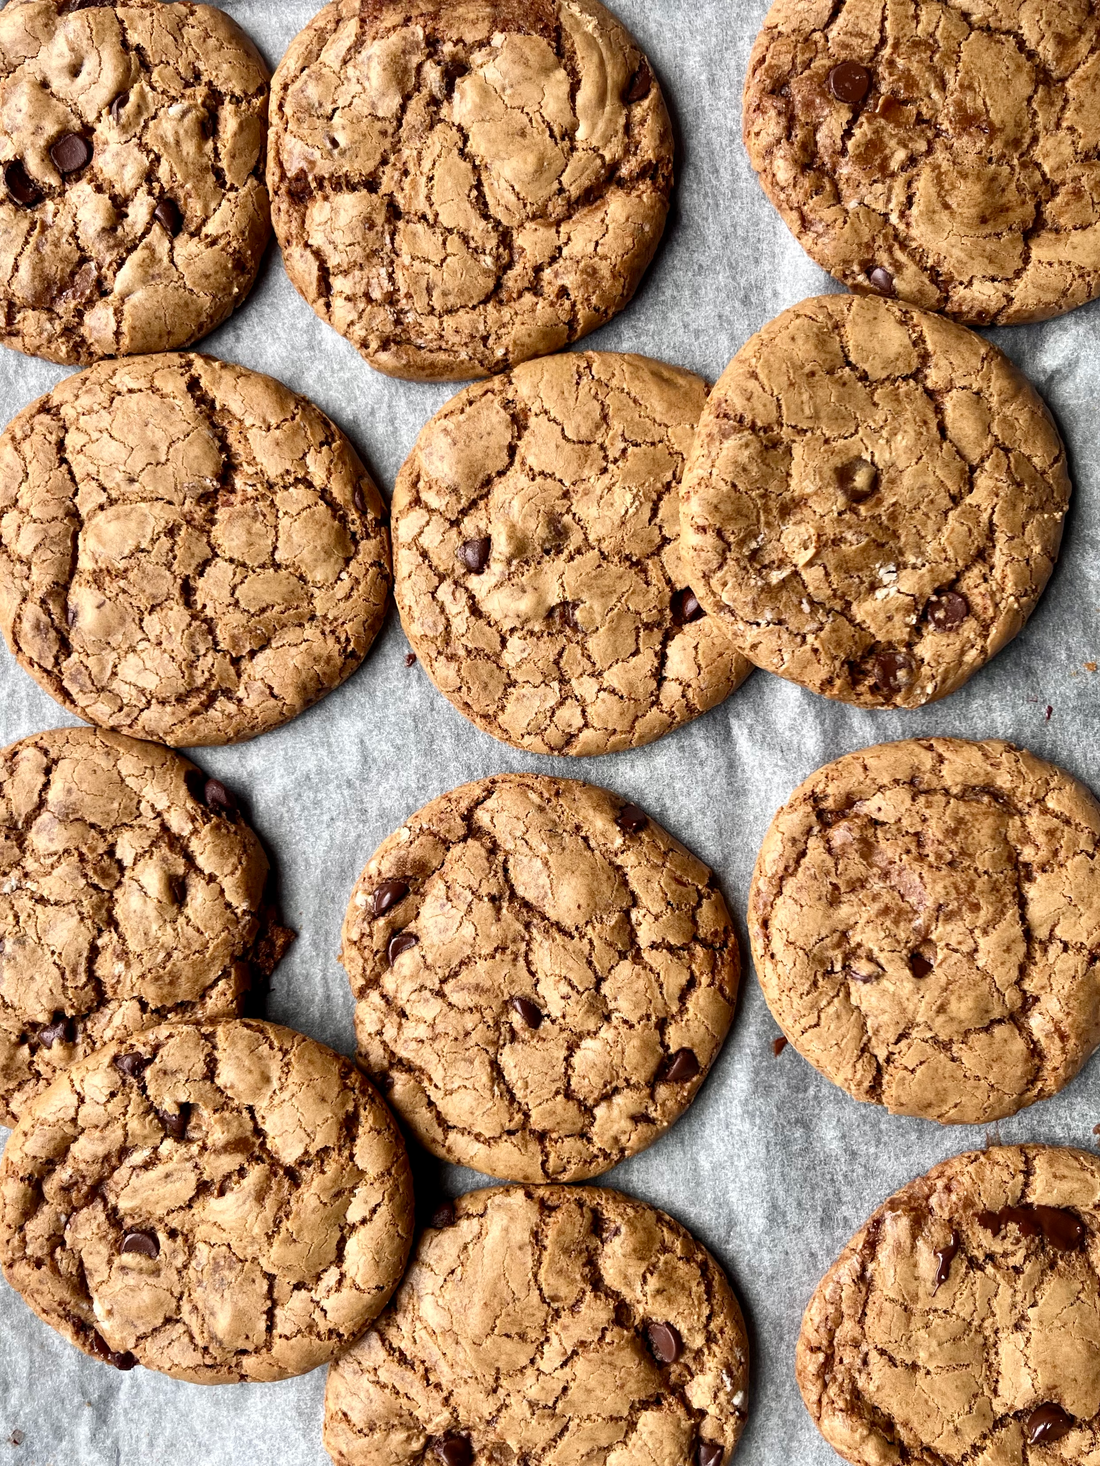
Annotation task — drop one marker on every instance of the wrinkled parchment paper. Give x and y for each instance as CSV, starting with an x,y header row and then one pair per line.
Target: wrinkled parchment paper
x,y
772,1168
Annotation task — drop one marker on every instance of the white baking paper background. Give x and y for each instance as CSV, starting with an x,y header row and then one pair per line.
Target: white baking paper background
x,y
772,1168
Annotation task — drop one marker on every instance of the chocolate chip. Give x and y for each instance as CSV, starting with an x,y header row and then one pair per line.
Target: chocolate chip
x,y
121,1360
168,216
946,611
387,895
66,7
664,1342
632,819
945,1256
686,608
474,554
1047,1424
858,480
118,106
530,1014
640,84
455,1451
218,798
70,615
21,185
410,659
402,942
779,1044
919,965
175,1125
1061,1228
59,1031
849,82
132,1065
891,671
682,1067
71,152
444,1215
710,1453
144,1243
881,280
358,498
564,616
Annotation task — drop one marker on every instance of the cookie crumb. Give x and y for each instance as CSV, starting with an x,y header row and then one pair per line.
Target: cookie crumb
x,y
16,1438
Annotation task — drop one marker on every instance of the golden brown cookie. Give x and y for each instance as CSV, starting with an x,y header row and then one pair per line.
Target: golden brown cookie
x,y
131,894
543,976
458,187
536,531
962,1324
547,1324
925,923
189,551
221,1202
874,501
133,212
940,150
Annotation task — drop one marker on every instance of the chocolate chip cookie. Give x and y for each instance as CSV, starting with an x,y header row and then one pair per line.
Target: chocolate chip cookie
x,y
961,1323
458,188
189,551
547,1324
133,215
131,894
925,922
543,976
938,151
874,501
536,529
221,1202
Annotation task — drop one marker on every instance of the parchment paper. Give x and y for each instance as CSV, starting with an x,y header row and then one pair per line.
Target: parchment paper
x,y
772,1168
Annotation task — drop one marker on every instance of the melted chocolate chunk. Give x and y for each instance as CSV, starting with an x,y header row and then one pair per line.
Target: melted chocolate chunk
x,y
1047,1424
474,554
358,499
641,83
682,1067
631,819
945,1256
710,1453
121,1360
1062,1229
528,1012
945,612
387,895
176,1125
444,1215
664,1342
881,280
59,1031
217,797
686,608
20,185
849,82
891,671
168,216
857,480
144,1243
71,152
402,942
456,1450
132,1065
66,7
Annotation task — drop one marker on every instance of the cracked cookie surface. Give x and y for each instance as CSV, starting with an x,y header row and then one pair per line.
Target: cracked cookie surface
x,y
548,1324
133,209
874,501
543,976
222,1202
459,187
131,894
945,152
189,551
925,923
961,1323
536,529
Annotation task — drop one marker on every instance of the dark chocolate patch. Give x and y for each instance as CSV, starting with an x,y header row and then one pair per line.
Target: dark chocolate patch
x,y
386,896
